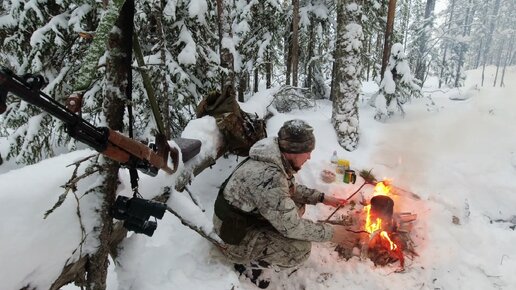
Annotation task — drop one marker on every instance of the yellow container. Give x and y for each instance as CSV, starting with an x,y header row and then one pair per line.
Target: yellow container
x,y
343,162
342,165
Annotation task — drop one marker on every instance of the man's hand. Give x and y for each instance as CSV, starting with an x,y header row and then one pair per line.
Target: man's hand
x,y
346,238
333,201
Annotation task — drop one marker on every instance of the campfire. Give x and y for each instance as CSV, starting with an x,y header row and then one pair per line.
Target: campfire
x,y
383,246
388,232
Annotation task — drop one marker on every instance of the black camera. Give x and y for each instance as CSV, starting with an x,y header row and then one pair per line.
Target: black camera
x,y
135,212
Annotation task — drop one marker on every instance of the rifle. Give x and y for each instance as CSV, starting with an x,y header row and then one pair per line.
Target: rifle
x,y
108,142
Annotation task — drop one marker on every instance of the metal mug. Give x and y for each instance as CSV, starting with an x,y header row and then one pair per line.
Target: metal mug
x,y
350,176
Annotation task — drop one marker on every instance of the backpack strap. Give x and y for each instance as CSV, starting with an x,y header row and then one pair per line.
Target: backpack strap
x,y
236,223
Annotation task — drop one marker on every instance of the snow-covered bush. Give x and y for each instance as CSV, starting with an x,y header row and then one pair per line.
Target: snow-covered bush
x,y
397,87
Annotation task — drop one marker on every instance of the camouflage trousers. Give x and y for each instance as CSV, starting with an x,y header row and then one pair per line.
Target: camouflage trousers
x,y
269,246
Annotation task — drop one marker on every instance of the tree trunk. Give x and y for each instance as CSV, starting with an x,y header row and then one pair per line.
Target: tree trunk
x,y
311,47
406,20
422,49
295,42
268,69
368,63
256,80
163,97
507,58
288,53
118,83
346,81
492,25
443,63
226,57
500,52
388,35
463,46
333,85
477,59
242,81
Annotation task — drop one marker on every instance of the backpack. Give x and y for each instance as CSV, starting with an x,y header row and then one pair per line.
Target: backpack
x,y
240,129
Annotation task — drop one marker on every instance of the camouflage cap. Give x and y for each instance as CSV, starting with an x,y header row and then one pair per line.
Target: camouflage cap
x,y
296,136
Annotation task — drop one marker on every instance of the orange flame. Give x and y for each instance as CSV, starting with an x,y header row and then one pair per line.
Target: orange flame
x,y
371,227
386,237
382,188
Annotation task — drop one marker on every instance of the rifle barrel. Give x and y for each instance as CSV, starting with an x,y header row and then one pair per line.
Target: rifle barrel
x,y
77,127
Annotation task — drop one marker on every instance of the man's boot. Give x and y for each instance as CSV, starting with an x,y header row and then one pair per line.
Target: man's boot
x,y
254,274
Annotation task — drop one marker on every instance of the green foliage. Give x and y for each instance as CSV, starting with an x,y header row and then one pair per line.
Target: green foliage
x,y
397,87
368,176
42,38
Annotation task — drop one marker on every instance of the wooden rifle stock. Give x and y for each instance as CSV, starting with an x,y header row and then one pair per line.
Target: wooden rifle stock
x,y
120,148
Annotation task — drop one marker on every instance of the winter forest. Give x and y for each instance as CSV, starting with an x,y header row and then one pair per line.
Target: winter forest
x,y
142,67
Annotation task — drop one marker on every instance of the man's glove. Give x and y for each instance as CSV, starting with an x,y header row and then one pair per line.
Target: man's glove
x,y
333,201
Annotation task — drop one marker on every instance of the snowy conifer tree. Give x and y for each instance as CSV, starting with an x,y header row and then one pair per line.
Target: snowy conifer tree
x,y
397,87
41,37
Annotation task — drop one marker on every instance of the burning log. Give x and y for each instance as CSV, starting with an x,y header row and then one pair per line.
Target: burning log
x,y
385,249
404,222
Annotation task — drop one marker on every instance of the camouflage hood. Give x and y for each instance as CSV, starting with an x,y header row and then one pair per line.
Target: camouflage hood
x,y
267,150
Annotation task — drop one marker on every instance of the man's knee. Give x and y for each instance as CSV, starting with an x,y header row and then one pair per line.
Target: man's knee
x,y
289,254
300,252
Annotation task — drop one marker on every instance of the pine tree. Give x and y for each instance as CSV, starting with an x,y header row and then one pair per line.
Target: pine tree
x,y
316,40
43,38
397,87
374,23
422,52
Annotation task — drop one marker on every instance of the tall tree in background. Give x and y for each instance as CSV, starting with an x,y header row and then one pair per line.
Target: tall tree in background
x,y
493,19
315,46
443,67
422,51
347,84
508,36
388,35
374,24
226,46
463,43
295,42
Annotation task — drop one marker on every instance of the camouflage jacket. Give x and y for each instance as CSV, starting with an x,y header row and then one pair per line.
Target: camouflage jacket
x,y
265,184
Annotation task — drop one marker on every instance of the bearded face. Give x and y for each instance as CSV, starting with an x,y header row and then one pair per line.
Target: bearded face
x,y
297,160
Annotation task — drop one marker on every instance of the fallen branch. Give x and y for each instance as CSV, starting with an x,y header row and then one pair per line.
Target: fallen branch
x,y
212,237
195,199
71,184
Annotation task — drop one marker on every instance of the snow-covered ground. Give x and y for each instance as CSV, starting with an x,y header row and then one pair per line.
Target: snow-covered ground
x,y
459,157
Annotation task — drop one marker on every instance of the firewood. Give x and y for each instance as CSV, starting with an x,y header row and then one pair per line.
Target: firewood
x,y
405,217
